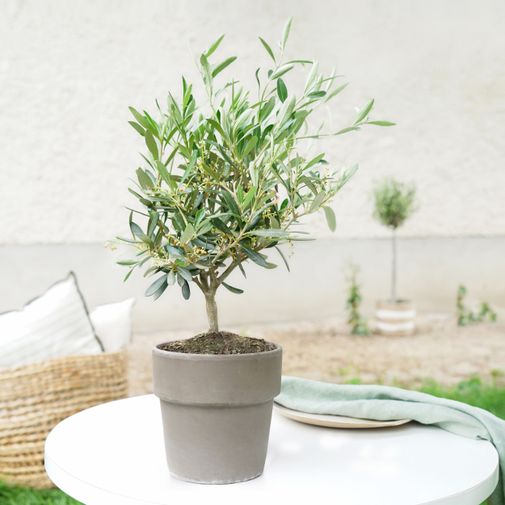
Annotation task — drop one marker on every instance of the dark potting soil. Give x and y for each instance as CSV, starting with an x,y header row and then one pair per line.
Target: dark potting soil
x,y
219,342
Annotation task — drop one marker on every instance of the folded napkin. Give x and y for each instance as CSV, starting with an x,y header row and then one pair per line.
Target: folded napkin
x,y
384,403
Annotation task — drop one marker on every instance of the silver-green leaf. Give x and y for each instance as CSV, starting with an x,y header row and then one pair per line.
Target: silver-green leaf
x,y
330,218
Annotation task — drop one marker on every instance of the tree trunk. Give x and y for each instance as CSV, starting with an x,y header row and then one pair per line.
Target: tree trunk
x,y
210,301
393,266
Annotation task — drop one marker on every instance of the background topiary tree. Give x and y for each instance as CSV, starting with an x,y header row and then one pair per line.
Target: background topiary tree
x,y
394,203
225,180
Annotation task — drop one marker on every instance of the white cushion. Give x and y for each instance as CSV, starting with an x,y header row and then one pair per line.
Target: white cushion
x,y
52,325
113,324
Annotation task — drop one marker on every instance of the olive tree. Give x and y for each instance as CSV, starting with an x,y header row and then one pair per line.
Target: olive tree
x,y
225,180
394,203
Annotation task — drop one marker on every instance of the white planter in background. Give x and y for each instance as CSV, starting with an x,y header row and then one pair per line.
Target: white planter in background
x,y
395,318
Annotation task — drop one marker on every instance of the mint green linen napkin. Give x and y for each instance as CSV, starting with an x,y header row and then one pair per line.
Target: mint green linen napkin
x,y
385,403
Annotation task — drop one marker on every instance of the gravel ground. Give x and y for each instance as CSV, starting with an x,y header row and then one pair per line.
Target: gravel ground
x,y
440,350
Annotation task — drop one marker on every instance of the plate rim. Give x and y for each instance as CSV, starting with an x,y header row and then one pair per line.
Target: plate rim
x,y
298,416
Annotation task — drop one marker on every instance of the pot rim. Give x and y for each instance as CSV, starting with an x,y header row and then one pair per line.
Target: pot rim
x,y
400,301
217,357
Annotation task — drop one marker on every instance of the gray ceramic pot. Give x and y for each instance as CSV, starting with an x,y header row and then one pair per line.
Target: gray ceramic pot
x,y
216,412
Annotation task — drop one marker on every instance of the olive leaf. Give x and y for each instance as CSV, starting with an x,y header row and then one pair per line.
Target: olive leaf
x,y
330,218
282,91
156,285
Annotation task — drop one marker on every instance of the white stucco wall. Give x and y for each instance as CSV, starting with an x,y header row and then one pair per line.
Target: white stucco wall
x,y
68,71
316,288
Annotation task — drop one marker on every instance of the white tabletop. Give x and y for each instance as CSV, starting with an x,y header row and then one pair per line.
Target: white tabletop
x,y
113,454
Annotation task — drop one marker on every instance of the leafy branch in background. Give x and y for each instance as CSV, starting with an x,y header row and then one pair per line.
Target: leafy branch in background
x,y
224,180
355,320
394,203
466,316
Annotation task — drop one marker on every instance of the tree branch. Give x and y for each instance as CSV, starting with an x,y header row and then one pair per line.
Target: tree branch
x,y
202,283
227,272
199,284
213,282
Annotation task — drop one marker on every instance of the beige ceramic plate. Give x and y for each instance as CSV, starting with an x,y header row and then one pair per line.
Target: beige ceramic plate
x,y
330,421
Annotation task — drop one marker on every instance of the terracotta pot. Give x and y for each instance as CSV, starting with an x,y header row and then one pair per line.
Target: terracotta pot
x,y
395,318
216,412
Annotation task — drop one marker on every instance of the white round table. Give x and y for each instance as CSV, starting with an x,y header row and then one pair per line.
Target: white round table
x,y
113,454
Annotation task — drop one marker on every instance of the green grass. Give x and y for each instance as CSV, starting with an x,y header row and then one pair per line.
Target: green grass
x,y
23,496
487,396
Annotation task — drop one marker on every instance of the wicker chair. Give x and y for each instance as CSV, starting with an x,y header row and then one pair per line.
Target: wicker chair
x,y
36,397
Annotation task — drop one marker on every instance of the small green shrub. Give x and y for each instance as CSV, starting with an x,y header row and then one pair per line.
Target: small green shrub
x,y
355,320
466,316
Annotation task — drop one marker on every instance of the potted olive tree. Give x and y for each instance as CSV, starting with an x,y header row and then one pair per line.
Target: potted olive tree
x,y
225,181
394,203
